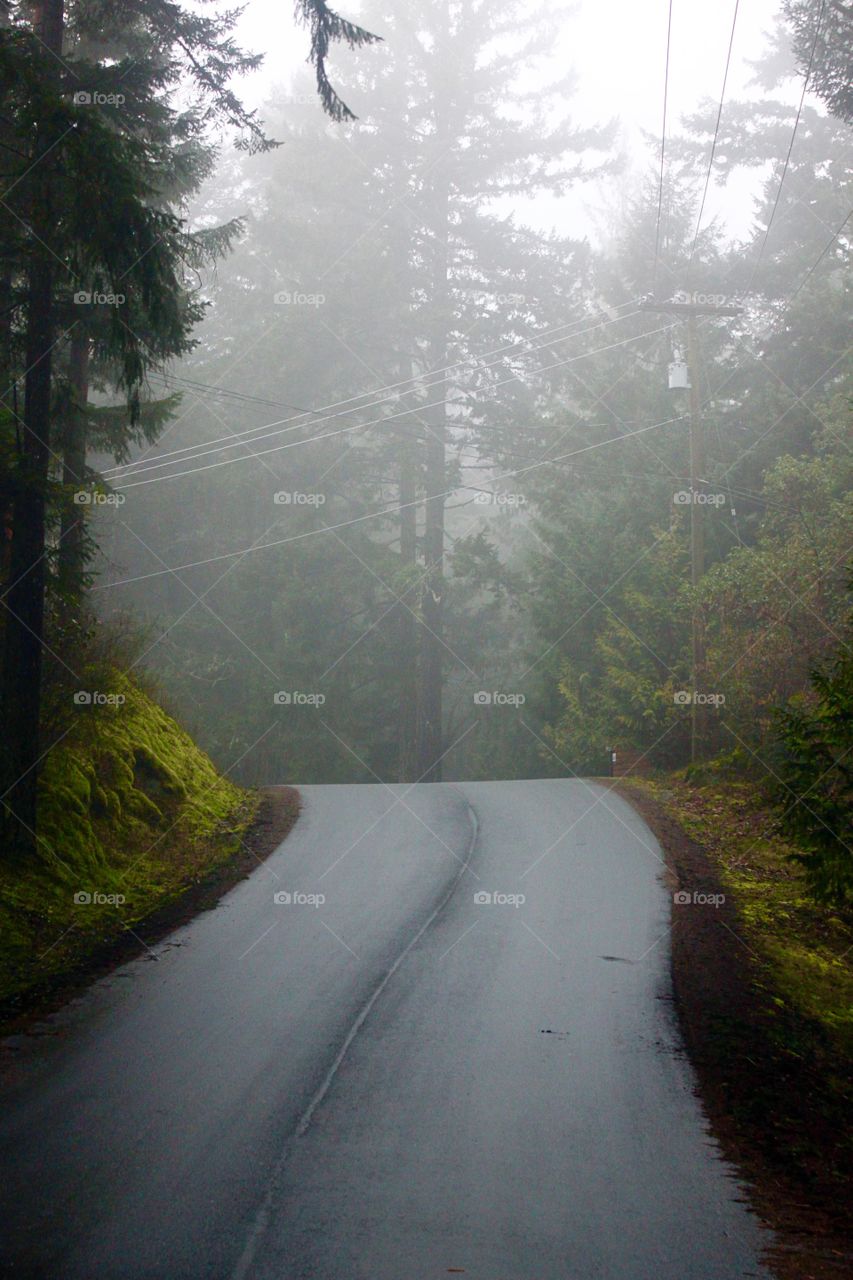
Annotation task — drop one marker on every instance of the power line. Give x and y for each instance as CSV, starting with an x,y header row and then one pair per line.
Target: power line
x,y
662,151
818,260
358,426
193,452
418,381
714,142
144,464
209,389
372,515
790,147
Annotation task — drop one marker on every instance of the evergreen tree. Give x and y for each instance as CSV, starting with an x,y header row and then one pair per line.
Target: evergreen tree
x,y
82,199
815,778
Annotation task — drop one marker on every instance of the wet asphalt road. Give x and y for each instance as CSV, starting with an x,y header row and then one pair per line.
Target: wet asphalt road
x,y
396,1082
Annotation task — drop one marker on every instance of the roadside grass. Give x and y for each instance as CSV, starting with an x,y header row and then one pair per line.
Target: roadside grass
x,y
806,949
130,808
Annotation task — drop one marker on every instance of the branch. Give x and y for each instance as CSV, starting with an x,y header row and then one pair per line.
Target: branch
x,y
327,26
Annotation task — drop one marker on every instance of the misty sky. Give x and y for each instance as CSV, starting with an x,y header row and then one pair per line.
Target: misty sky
x,y
617,47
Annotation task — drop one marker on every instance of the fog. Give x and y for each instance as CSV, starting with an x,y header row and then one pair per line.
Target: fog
x,y
429,454
618,53
426,639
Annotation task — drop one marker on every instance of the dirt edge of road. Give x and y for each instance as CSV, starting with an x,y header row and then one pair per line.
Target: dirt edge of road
x,y
278,811
758,1099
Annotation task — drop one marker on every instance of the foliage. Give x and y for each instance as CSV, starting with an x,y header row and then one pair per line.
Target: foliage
x,y
823,41
805,947
129,806
815,777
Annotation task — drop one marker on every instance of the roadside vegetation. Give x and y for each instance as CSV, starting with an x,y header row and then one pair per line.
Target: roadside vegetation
x,y
396,482
805,947
133,814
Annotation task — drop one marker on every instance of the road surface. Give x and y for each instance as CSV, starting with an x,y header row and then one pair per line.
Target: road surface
x,y
450,1052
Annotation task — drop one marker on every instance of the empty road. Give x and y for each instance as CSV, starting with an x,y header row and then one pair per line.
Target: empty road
x,y
429,1035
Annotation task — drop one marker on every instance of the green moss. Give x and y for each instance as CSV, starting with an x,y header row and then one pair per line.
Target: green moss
x,y
129,807
806,948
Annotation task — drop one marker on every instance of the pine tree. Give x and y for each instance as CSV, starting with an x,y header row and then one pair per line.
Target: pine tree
x,y
815,779
84,205
446,139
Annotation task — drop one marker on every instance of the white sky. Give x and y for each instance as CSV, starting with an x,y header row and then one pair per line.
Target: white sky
x,y
618,49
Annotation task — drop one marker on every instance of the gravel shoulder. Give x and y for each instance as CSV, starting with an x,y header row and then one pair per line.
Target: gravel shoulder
x,y
768,1076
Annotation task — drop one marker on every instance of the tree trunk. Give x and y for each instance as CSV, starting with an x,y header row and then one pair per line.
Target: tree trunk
x,y
7,392
432,602
407,755
431,748
24,598
71,544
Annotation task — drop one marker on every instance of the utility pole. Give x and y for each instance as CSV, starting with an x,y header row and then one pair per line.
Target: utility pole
x,y
690,310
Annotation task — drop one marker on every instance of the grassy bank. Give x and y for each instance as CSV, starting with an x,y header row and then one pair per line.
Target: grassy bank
x,y
132,812
806,949
763,985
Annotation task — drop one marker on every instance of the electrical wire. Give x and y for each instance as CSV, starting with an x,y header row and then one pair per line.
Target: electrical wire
x,y
818,260
790,148
372,515
714,142
327,435
662,152
207,388
238,437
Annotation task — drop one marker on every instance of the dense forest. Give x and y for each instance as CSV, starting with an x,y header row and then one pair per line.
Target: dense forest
x,y
374,480
426,639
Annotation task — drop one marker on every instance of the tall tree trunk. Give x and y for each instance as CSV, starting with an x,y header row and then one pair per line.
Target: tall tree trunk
x,y
407,756
432,601
71,544
7,392
24,598
431,736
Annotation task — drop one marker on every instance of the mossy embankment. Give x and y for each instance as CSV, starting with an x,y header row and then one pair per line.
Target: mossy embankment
x,y
763,984
132,813
806,948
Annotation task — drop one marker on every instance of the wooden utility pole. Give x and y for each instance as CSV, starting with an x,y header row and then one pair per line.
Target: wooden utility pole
x,y
690,310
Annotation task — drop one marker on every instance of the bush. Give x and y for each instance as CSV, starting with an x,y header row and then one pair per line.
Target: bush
x,y
815,771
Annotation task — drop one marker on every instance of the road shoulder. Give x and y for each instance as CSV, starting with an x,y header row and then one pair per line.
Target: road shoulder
x,y
277,811
764,1070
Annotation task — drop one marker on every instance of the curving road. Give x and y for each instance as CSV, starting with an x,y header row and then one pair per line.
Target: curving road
x,y
385,1078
